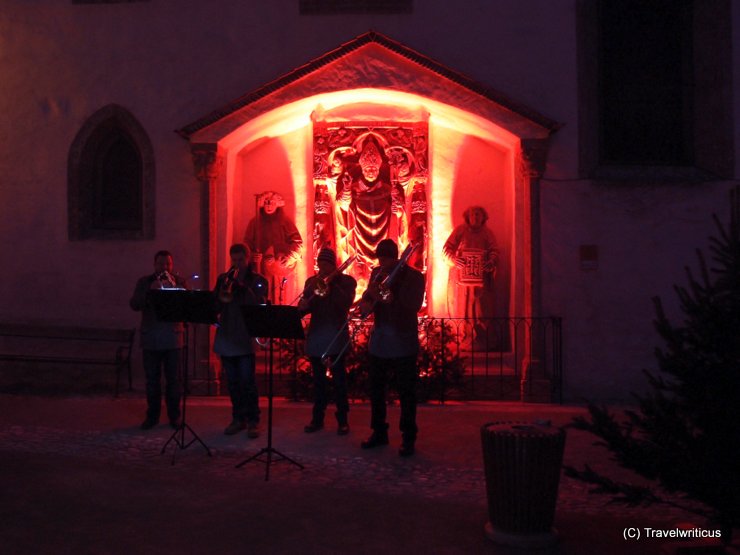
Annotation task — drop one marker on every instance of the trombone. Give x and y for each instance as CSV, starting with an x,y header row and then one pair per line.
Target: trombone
x,y
319,287
385,296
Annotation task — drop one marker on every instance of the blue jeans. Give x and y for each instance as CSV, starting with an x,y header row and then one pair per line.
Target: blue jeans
x,y
154,363
242,386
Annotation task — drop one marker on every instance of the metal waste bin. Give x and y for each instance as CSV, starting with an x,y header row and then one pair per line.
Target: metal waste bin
x,y
522,465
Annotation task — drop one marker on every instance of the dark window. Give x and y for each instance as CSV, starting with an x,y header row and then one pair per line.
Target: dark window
x,y
329,7
118,183
655,89
111,179
645,76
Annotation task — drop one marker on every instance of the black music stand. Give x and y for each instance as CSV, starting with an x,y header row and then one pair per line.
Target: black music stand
x,y
273,322
180,305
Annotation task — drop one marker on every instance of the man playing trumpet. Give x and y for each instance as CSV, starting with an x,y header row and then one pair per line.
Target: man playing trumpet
x,y
235,288
161,343
328,297
394,342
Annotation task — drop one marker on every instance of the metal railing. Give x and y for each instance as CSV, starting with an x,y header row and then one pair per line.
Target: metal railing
x,y
515,358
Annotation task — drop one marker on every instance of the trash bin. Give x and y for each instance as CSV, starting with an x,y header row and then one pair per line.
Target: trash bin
x,y
522,465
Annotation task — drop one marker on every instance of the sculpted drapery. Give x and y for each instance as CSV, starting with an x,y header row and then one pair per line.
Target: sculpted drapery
x,y
369,184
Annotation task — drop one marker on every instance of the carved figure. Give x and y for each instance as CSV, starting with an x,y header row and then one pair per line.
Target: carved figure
x,y
323,220
472,253
367,203
275,242
369,184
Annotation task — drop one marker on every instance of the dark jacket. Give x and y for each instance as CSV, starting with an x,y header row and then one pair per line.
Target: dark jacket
x,y
328,315
232,337
395,331
156,335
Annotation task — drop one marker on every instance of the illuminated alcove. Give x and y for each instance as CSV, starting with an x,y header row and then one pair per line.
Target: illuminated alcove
x,y
471,162
482,150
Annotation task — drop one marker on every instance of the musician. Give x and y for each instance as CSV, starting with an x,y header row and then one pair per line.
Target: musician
x,y
329,310
161,343
472,253
235,288
394,344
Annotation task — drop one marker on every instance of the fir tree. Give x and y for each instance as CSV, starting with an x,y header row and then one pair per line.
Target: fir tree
x,y
685,434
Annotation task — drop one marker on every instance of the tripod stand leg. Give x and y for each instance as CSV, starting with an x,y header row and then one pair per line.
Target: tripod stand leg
x,y
269,449
252,458
180,441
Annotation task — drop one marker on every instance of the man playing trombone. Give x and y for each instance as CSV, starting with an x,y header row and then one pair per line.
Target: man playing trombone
x,y
235,288
394,296
328,296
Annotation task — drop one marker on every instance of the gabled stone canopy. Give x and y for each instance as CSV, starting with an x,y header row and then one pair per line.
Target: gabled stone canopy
x,y
373,76
373,61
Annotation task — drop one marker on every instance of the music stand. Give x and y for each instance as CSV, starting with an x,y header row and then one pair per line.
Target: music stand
x,y
181,305
274,322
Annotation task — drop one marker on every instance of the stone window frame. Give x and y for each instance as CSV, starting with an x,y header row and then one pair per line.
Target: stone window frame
x,y
710,125
83,190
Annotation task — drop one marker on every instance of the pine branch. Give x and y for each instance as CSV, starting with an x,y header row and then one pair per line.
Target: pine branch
x,y
685,434
628,494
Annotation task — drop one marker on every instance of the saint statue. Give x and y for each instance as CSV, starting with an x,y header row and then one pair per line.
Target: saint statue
x,y
366,205
370,184
472,253
275,242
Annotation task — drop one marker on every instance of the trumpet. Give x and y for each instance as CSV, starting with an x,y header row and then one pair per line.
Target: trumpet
x,y
167,280
226,291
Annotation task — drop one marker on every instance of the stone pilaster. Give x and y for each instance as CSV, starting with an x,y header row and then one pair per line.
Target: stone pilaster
x,y
208,163
532,167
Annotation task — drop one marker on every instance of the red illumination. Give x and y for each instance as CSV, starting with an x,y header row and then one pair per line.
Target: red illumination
x,y
469,161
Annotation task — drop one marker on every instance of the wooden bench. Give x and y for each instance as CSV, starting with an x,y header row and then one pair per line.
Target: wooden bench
x,y
69,345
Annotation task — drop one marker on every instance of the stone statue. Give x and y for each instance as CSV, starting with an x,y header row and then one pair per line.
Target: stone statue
x,y
472,253
367,204
275,242
369,185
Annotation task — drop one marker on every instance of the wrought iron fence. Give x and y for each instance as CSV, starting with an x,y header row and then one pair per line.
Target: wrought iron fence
x,y
516,358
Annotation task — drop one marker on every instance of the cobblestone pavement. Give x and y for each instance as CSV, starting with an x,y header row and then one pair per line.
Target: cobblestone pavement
x,y
77,475
448,463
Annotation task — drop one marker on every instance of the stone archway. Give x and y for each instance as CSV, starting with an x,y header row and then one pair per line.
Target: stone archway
x,y
482,148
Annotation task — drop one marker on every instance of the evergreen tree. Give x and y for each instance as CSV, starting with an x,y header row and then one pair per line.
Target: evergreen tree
x,y
685,434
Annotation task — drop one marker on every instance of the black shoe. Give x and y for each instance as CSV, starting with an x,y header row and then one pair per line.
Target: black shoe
x,y
253,430
342,429
235,427
175,423
407,449
313,427
149,423
374,440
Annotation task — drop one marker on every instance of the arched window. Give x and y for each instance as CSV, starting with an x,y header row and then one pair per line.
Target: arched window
x,y
111,179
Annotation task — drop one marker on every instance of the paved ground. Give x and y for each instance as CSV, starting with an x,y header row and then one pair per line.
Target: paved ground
x,y
78,476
